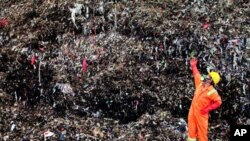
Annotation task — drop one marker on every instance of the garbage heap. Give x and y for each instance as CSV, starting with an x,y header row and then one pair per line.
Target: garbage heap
x,y
118,70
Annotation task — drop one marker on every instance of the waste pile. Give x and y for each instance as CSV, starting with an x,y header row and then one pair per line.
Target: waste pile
x,y
119,70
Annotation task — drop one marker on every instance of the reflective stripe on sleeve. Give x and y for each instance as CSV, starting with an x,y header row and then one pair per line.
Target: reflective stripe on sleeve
x,y
211,92
191,139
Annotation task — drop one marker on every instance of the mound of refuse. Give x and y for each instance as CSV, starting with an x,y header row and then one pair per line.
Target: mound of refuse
x,y
119,70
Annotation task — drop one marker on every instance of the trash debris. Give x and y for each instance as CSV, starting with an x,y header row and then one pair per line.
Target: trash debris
x,y
48,134
118,70
3,22
74,11
33,60
84,65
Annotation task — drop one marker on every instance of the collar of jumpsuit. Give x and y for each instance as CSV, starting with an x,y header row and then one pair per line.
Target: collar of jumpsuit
x,y
206,79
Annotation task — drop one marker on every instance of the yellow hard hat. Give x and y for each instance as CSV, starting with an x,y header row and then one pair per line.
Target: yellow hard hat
x,y
215,77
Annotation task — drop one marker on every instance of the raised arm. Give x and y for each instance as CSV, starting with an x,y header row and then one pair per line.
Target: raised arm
x,y
196,73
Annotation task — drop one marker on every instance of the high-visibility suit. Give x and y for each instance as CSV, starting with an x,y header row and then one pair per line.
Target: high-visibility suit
x,y
205,99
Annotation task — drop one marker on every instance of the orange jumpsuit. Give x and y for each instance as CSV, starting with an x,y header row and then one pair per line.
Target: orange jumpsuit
x,y
204,97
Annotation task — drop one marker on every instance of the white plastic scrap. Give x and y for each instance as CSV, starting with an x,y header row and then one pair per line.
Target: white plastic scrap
x,y
87,12
12,128
48,134
75,11
100,8
244,89
65,88
1,41
6,138
235,62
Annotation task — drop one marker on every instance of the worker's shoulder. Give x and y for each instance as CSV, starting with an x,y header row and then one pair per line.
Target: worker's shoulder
x,y
211,91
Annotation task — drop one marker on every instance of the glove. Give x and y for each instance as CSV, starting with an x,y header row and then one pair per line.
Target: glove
x,y
211,107
204,111
193,62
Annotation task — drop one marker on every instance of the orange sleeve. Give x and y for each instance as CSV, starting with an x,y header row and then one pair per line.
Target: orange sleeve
x,y
215,97
213,94
197,79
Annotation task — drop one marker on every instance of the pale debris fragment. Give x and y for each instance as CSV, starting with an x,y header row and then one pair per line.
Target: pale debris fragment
x,y
75,11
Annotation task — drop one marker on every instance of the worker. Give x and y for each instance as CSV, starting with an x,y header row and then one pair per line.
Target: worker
x,y
205,99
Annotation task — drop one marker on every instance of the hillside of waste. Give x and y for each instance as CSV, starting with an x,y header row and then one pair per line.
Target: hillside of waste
x,y
119,69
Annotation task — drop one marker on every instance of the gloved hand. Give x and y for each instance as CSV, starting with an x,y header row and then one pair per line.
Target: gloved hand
x,y
204,111
211,107
193,62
